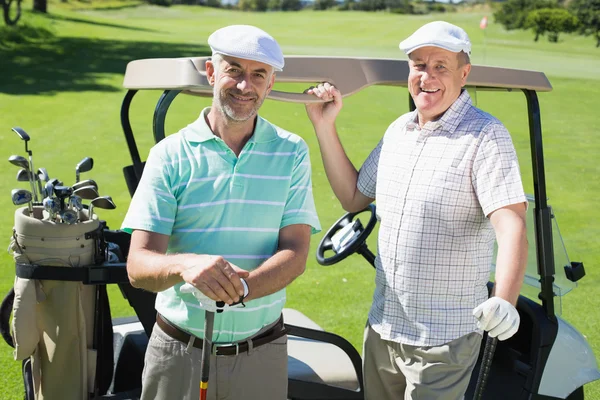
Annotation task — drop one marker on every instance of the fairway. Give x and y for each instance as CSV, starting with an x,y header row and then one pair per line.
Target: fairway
x,y
66,93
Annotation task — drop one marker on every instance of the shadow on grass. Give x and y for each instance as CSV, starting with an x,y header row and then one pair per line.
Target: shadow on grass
x,y
78,64
91,22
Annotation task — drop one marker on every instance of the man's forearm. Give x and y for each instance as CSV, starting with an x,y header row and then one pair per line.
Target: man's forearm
x,y
342,175
275,274
511,262
153,271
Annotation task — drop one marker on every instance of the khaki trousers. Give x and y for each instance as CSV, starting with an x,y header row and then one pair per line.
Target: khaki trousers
x,y
394,371
172,371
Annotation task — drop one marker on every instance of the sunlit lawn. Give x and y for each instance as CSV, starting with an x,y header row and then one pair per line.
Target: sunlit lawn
x,y
66,93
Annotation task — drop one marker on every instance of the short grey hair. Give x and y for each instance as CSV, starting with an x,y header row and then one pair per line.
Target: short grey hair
x,y
216,59
463,58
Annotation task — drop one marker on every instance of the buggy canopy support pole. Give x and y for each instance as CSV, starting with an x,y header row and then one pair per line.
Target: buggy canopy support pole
x,y
542,215
160,113
126,125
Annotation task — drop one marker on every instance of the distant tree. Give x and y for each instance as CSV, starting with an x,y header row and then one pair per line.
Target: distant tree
x,y
370,5
348,5
588,13
164,3
8,18
290,5
253,5
513,13
323,4
551,22
399,6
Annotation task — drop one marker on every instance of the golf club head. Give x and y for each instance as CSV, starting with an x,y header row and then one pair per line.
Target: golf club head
x,y
75,202
48,189
68,217
62,192
86,192
51,205
104,202
23,175
20,196
85,182
55,182
43,175
22,134
19,161
84,165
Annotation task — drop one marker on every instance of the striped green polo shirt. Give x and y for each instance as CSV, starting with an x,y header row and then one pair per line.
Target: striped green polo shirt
x,y
209,201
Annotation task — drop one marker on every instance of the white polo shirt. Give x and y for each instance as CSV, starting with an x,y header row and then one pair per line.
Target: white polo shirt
x,y
434,188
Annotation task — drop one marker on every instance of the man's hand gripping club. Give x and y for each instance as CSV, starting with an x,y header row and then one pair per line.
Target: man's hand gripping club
x,y
215,280
498,317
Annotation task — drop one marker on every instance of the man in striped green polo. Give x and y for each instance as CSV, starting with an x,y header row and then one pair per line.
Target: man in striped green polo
x,y
224,205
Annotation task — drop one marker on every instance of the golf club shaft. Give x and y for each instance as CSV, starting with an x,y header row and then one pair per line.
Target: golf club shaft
x,y
486,364
209,320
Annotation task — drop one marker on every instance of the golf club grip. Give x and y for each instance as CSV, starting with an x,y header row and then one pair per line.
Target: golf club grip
x,y
209,320
486,364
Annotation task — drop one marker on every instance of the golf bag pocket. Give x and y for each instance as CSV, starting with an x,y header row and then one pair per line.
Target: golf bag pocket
x,y
25,333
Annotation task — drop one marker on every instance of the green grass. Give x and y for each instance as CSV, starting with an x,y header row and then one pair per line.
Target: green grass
x,y
62,81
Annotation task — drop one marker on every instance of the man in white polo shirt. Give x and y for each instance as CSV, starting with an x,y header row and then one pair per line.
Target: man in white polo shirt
x,y
447,183
224,206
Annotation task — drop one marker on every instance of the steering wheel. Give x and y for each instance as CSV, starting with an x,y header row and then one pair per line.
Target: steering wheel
x,y
347,236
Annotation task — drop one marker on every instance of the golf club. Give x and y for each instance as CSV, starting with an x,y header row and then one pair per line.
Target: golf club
x,y
24,176
22,162
84,165
48,189
104,202
209,320
85,182
68,217
25,137
52,207
486,364
62,192
43,174
75,204
86,192
20,197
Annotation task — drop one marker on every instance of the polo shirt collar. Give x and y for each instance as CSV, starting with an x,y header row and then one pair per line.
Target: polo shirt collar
x,y
199,131
456,113
451,118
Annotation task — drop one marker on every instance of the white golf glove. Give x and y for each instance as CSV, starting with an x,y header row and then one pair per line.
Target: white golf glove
x,y
498,317
208,304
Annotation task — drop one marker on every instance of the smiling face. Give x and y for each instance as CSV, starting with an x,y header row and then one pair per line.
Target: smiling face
x,y
239,86
435,80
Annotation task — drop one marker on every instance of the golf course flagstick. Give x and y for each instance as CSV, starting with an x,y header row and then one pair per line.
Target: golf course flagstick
x,y
486,364
209,320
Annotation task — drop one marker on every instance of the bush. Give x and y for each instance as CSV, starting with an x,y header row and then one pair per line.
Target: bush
x,y
513,13
551,21
323,4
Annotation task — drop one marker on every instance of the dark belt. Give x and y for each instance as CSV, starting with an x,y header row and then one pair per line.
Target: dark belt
x,y
277,331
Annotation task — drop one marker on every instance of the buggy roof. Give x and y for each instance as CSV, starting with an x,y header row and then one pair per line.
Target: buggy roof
x,y
349,75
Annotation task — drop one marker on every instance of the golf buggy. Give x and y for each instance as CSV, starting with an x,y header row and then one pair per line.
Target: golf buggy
x,y
546,359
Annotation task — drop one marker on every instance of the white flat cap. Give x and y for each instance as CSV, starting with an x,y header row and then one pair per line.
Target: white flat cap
x,y
249,43
438,34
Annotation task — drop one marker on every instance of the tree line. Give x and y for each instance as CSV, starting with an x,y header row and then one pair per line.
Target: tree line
x,y
544,17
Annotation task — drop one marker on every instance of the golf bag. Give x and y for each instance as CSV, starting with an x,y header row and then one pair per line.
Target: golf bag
x,y
61,326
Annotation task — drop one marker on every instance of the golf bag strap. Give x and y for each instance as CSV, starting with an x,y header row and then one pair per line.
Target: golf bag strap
x,y
91,275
